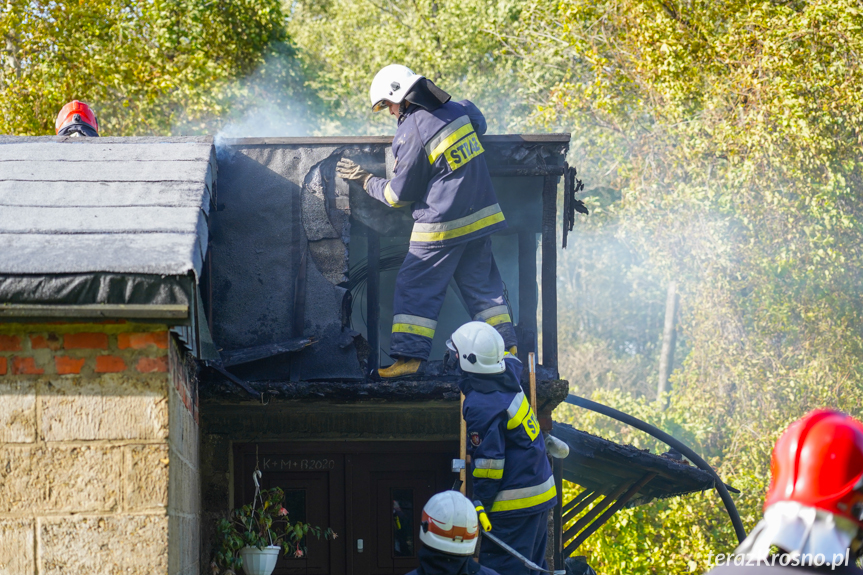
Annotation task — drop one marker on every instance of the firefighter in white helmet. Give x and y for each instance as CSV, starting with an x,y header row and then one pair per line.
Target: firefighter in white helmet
x,y
511,474
440,172
449,532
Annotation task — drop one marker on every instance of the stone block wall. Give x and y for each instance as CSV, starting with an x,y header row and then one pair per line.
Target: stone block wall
x,y
95,439
184,481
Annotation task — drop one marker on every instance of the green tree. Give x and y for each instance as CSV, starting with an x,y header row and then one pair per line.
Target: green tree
x,y
161,67
345,42
731,134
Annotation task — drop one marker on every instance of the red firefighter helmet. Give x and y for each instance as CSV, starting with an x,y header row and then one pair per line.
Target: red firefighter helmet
x,y
818,462
77,117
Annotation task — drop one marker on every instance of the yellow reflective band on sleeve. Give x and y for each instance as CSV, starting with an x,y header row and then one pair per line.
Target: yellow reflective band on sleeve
x,y
450,139
489,463
498,319
391,198
513,499
444,133
520,414
457,232
488,473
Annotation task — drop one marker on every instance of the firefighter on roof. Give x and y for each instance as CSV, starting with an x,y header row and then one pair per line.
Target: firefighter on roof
x,y
77,119
449,532
511,474
813,512
440,172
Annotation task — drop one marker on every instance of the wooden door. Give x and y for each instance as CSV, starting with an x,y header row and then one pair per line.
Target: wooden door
x,y
388,494
370,493
313,482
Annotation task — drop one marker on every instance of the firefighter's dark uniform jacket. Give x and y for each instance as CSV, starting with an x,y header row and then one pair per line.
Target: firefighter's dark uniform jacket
x,y
433,562
509,465
440,172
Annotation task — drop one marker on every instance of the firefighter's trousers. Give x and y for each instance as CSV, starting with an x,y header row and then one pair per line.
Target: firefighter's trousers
x,y
527,534
421,287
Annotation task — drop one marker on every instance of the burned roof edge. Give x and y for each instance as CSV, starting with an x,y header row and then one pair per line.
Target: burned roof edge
x,y
216,387
554,138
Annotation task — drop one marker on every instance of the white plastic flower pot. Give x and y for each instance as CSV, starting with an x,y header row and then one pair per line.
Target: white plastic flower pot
x,y
260,561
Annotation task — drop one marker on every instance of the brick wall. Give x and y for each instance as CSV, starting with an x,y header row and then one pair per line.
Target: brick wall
x,y
95,442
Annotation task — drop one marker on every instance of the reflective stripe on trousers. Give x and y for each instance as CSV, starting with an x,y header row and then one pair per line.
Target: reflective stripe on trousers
x,y
442,231
494,315
406,323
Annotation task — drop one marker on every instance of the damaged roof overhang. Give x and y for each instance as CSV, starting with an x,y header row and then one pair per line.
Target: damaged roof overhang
x,y
103,227
599,464
549,392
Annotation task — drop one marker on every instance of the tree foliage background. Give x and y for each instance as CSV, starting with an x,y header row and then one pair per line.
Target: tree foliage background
x,y
720,143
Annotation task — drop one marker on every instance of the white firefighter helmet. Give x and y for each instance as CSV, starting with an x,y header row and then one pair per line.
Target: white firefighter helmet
x,y
480,348
449,524
391,84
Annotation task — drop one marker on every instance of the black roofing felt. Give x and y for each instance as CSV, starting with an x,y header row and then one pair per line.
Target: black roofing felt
x,y
283,237
95,205
597,463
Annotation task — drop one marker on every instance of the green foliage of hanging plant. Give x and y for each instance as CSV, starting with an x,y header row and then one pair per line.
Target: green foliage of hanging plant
x,y
263,523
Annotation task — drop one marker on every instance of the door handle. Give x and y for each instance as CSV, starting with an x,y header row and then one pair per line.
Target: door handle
x,y
359,545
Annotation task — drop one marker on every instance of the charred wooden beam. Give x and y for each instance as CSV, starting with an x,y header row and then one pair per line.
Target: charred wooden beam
x,y
373,297
549,272
505,171
585,493
557,469
618,505
562,138
249,354
594,511
217,386
581,505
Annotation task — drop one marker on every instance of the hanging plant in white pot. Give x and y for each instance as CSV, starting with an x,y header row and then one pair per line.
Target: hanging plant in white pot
x,y
254,535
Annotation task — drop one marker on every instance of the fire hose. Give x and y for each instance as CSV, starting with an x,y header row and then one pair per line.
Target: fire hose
x,y
486,528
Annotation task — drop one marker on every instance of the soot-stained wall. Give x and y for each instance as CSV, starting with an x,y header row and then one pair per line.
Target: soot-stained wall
x,y
280,241
287,231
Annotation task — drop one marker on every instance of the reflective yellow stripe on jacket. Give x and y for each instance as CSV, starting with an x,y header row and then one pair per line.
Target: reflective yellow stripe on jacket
x,y
513,499
404,323
457,142
488,468
520,413
457,228
391,198
494,315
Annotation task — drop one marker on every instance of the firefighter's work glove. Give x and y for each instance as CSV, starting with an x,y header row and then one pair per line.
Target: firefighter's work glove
x,y
350,170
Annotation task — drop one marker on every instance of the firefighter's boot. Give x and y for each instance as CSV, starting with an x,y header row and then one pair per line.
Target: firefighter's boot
x,y
403,367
